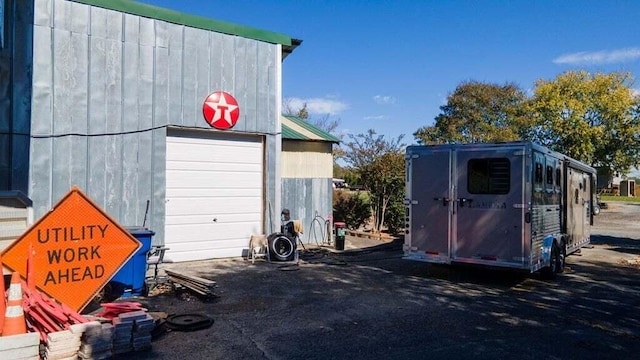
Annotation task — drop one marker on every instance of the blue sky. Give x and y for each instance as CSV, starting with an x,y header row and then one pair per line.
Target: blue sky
x,y
389,65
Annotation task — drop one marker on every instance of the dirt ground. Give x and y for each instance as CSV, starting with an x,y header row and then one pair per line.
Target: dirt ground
x,y
373,304
616,234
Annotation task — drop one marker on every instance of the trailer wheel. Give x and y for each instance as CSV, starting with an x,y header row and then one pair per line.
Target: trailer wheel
x,y
560,260
556,265
596,209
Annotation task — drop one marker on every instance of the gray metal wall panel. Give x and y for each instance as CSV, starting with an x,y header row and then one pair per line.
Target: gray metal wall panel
x,y
306,199
161,87
43,14
147,32
131,29
272,214
191,114
246,79
157,189
267,98
71,16
176,78
131,75
106,24
226,55
40,175
42,81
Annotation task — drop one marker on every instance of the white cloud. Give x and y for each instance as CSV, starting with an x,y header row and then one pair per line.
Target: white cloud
x,y
635,92
599,57
317,105
376,117
384,99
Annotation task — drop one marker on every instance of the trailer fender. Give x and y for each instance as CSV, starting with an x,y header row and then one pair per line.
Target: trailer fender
x,y
551,267
547,243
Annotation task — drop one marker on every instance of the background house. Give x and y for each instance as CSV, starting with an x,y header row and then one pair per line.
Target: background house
x,y
307,175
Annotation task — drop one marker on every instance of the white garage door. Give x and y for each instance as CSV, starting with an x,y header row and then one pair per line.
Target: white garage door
x,y
214,194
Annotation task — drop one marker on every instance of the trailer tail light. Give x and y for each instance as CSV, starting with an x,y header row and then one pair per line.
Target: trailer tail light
x,y
431,252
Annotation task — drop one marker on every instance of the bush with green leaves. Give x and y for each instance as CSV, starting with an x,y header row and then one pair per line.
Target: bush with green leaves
x,y
395,217
351,207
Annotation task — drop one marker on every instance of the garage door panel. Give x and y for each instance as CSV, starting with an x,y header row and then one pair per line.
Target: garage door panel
x,y
213,206
215,193
214,232
207,179
199,166
221,180
187,251
212,153
244,217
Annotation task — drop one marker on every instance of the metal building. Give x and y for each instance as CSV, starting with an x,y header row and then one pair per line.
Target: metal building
x,y
307,173
122,99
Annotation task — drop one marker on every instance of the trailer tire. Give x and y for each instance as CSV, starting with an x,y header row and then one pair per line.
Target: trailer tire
x,y
556,263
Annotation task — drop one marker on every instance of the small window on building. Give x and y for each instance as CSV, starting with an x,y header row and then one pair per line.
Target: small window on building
x,y
489,176
558,177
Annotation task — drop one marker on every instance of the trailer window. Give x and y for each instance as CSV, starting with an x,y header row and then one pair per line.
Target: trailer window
x,y
489,176
549,175
558,176
538,179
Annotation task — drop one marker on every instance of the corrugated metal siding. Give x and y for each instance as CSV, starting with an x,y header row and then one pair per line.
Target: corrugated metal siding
x,y
117,81
308,199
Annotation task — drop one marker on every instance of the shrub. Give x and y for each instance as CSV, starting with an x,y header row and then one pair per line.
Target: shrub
x,y
395,217
353,208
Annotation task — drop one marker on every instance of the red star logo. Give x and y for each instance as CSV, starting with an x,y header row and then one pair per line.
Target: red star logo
x,y
221,110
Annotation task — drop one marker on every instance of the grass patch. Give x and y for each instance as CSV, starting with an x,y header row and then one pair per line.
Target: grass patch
x,y
606,198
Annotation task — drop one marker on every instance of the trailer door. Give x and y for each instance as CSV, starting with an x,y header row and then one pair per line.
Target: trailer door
x,y
430,216
578,208
489,206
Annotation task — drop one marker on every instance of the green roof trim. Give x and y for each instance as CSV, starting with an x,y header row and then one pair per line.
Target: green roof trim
x,y
295,128
154,12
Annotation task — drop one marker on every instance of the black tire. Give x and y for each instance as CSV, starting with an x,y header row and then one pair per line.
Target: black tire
x,y
556,265
281,247
596,209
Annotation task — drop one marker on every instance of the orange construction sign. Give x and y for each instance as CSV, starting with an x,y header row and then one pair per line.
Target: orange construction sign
x,y
77,248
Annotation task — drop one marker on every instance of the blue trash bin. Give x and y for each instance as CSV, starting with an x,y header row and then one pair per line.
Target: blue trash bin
x,y
130,279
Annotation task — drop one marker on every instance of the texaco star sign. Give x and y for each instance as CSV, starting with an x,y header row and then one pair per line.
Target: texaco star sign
x,y
221,110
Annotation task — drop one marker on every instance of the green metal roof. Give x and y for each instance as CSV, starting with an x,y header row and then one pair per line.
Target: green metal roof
x,y
154,12
295,128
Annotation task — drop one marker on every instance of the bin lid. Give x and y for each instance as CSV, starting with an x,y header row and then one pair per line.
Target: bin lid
x,y
133,230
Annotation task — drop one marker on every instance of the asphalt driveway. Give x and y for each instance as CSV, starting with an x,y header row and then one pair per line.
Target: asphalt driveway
x,y
374,305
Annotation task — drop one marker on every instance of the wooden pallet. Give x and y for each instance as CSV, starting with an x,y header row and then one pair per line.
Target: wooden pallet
x,y
197,284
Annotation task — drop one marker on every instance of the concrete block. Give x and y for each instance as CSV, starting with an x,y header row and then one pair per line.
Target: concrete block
x,y
18,341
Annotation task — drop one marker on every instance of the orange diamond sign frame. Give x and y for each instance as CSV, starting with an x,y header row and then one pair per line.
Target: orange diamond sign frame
x,y
76,249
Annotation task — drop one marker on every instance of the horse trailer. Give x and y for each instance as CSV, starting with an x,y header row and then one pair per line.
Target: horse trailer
x,y
514,205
